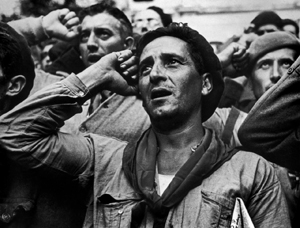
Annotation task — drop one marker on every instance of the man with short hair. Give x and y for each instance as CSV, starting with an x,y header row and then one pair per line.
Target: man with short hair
x,y
178,173
26,198
105,29
149,19
17,68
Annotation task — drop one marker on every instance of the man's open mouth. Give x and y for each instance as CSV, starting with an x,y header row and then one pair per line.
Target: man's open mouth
x,y
160,92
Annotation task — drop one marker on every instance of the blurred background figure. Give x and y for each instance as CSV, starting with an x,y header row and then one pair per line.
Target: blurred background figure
x,y
265,22
149,19
45,58
291,26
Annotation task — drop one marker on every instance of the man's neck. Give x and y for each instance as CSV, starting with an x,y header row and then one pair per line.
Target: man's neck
x,y
175,147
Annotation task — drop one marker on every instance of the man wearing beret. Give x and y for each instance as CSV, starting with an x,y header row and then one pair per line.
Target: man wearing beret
x,y
271,127
270,57
178,174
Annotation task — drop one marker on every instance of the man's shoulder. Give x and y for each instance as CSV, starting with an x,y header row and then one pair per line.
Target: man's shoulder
x,y
251,164
43,79
248,158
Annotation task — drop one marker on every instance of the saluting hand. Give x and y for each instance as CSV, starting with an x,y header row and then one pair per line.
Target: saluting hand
x,y
61,24
115,72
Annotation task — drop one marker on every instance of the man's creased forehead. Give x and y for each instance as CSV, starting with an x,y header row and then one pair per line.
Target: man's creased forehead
x,y
173,46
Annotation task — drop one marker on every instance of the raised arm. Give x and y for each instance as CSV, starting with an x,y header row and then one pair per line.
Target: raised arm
x,y
272,128
30,132
60,24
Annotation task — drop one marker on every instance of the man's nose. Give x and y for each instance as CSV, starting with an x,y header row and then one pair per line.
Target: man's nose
x,y
92,44
157,73
276,73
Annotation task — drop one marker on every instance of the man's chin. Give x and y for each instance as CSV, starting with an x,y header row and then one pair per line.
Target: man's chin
x,y
161,114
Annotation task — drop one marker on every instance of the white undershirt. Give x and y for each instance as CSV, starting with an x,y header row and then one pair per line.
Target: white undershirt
x,y
163,182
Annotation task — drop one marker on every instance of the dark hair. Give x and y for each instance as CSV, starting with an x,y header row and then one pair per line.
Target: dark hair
x,y
10,55
202,54
267,17
166,19
15,59
111,10
288,21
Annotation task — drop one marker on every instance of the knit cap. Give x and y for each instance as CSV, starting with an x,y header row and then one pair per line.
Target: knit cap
x,y
270,42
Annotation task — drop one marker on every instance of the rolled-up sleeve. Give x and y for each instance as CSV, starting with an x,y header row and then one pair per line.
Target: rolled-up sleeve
x,y
30,132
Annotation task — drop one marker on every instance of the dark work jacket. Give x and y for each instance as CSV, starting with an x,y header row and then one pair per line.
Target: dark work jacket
x,y
30,200
272,128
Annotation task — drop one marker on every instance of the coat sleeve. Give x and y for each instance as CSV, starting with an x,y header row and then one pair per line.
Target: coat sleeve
x,y
272,128
31,28
30,132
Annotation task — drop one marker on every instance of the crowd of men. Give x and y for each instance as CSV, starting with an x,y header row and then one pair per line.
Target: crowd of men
x,y
140,123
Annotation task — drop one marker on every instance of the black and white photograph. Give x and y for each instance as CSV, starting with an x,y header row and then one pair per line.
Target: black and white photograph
x,y
149,114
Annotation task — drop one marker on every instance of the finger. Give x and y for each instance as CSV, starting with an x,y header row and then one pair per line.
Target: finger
x,y
70,15
63,13
133,60
71,35
130,73
240,66
72,22
123,55
240,58
239,51
244,58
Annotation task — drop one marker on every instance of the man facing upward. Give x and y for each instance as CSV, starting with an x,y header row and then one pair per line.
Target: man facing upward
x,y
105,29
270,58
178,173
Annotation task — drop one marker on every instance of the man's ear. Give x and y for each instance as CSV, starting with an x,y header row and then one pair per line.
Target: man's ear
x,y
15,85
129,43
207,85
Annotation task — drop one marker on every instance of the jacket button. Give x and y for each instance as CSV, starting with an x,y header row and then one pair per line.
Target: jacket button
x,y
80,93
290,70
120,212
82,129
5,217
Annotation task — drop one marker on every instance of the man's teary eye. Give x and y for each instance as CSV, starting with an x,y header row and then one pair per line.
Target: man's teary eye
x,y
144,70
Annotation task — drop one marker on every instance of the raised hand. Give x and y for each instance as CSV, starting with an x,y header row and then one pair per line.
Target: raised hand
x,y
234,58
61,24
115,72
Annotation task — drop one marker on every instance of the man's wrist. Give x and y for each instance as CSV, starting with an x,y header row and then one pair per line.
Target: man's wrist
x,y
94,78
45,28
